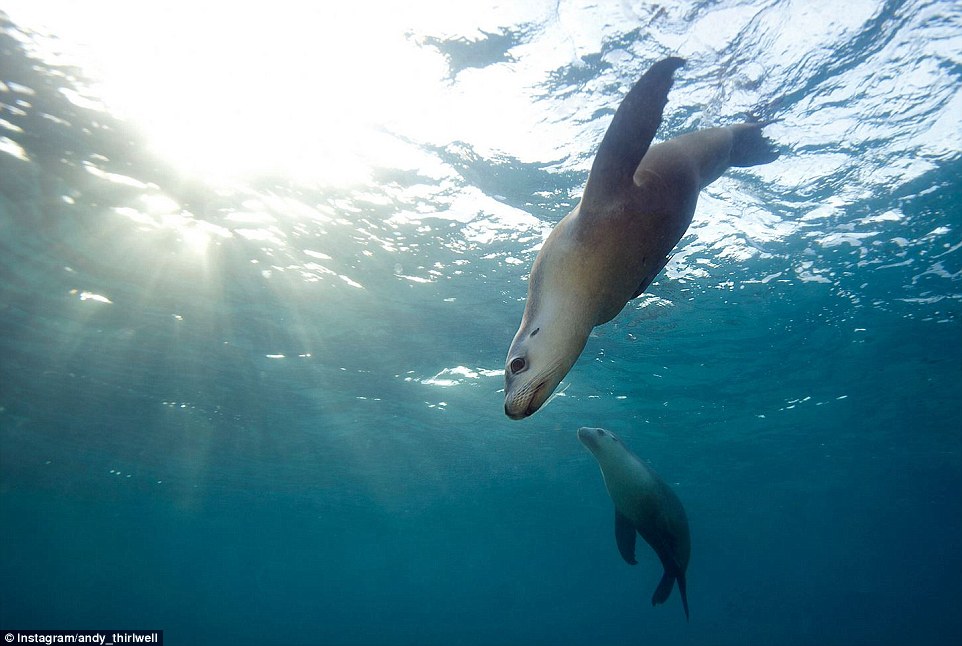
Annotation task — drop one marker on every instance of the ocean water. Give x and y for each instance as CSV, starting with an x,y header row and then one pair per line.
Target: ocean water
x,y
261,266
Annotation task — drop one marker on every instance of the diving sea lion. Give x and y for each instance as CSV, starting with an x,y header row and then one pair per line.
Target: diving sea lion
x,y
636,206
644,503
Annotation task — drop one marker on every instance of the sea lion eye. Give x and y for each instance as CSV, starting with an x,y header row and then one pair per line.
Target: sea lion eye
x,y
517,365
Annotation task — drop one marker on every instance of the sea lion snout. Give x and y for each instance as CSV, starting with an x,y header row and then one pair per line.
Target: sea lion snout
x,y
592,438
589,436
525,401
514,413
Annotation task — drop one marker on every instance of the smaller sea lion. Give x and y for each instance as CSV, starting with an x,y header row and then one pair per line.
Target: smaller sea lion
x,y
644,503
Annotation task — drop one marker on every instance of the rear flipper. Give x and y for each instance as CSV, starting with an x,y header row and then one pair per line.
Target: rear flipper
x,y
749,145
664,589
683,590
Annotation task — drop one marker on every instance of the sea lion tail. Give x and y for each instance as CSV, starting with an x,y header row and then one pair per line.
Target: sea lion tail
x,y
664,589
749,145
683,590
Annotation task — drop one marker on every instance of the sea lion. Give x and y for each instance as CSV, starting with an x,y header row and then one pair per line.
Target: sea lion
x,y
636,206
644,503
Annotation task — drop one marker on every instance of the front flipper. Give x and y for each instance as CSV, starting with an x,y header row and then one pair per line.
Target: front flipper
x,y
630,133
625,537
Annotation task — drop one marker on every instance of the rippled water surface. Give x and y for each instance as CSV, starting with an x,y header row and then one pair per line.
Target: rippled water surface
x,y
260,267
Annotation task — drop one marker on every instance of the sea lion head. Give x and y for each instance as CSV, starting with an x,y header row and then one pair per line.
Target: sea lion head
x,y
540,356
600,442
617,463
558,317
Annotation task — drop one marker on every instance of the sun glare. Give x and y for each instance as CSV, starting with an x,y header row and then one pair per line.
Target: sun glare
x,y
306,90
320,93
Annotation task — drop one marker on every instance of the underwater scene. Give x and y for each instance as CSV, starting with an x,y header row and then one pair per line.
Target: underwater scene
x,y
278,364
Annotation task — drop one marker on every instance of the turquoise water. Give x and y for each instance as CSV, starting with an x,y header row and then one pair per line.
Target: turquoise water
x,y
267,409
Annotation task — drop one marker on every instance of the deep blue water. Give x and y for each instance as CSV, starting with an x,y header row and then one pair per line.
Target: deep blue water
x,y
268,411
